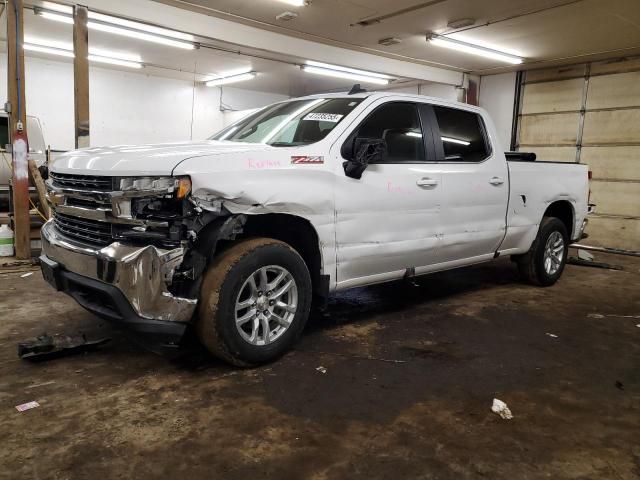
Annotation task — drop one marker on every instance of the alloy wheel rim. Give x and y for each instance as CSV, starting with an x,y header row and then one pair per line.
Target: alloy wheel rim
x,y
553,253
266,305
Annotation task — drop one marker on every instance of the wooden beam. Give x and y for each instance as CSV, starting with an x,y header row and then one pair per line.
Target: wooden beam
x,y
40,187
81,75
18,127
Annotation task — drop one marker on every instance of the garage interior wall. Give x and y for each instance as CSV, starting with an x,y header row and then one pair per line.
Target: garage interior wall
x,y
497,98
128,107
590,113
447,92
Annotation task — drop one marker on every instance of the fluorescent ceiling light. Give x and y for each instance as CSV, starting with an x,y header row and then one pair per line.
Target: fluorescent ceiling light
x,y
64,49
296,3
165,32
342,74
347,69
103,27
230,73
126,28
413,134
128,57
466,47
49,50
231,79
114,61
58,7
57,17
455,140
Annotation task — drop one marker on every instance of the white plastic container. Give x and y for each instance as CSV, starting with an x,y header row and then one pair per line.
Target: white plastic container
x,y
6,241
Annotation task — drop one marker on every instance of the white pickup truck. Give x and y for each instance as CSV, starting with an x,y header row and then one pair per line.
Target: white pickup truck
x,y
235,235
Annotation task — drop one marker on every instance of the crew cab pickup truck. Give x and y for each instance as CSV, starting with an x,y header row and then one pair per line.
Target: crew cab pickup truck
x,y
235,235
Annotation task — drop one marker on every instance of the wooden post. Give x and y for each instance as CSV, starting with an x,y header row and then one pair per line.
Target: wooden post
x,y
81,75
18,117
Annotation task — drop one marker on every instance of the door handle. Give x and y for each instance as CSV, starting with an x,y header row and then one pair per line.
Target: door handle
x,y
427,182
496,181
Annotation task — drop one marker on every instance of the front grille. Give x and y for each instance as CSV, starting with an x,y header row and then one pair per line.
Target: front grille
x,y
82,182
84,230
87,203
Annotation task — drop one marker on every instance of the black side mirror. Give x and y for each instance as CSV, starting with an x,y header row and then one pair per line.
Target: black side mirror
x,y
365,151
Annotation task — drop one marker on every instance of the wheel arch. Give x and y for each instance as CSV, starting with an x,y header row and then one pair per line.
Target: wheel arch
x,y
562,210
295,231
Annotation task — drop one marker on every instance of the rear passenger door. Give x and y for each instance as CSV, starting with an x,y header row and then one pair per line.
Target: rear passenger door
x,y
475,186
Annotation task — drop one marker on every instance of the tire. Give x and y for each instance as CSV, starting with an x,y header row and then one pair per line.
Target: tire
x,y
532,265
227,281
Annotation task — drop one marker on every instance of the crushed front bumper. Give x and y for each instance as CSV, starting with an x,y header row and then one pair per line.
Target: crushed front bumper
x,y
122,283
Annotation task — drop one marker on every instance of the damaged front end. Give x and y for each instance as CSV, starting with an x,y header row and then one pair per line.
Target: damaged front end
x,y
132,249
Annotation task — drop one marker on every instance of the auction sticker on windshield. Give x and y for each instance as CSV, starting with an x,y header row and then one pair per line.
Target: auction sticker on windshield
x,y
324,117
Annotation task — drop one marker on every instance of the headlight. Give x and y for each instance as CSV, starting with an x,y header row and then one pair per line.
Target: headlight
x,y
184,187
179,185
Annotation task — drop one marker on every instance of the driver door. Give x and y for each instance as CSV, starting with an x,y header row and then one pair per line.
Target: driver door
x,y
388,220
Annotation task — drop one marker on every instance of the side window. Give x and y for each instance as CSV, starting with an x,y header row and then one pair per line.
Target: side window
x,y
462,134
397,123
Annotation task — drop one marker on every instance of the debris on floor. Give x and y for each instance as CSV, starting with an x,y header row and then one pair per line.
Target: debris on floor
x,y
321,369
27,406
43,384
584,255
500,408
591,263
46,346
552,335
619,385
600,315
26,275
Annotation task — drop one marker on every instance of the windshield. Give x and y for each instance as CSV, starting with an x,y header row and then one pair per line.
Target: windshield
x,y
299,122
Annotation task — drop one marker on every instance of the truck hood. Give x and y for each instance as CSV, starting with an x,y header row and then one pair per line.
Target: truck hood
x,y
158,159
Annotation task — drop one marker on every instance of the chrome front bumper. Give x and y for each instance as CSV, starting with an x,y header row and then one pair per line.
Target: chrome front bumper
x,y
139,273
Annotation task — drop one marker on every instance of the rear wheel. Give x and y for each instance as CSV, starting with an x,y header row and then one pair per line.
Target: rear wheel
x,y
254,302
545,261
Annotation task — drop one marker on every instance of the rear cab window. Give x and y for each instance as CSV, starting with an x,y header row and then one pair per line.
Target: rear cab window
x,y
462,135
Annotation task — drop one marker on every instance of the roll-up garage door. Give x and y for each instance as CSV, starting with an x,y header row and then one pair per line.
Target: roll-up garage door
x,y
590,114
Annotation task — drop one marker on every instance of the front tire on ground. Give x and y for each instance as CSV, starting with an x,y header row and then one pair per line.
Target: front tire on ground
x,y
544,263
254,302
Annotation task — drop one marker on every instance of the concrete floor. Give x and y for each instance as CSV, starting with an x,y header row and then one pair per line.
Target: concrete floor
x,y
411,375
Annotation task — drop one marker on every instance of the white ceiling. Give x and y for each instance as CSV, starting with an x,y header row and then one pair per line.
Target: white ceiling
x,y
282,77
543,31
540,30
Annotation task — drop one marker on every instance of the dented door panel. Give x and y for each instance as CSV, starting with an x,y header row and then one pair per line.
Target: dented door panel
x,y
533,187
385,222
474,210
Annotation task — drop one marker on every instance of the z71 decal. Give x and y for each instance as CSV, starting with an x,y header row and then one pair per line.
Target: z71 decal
x,y
315,160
